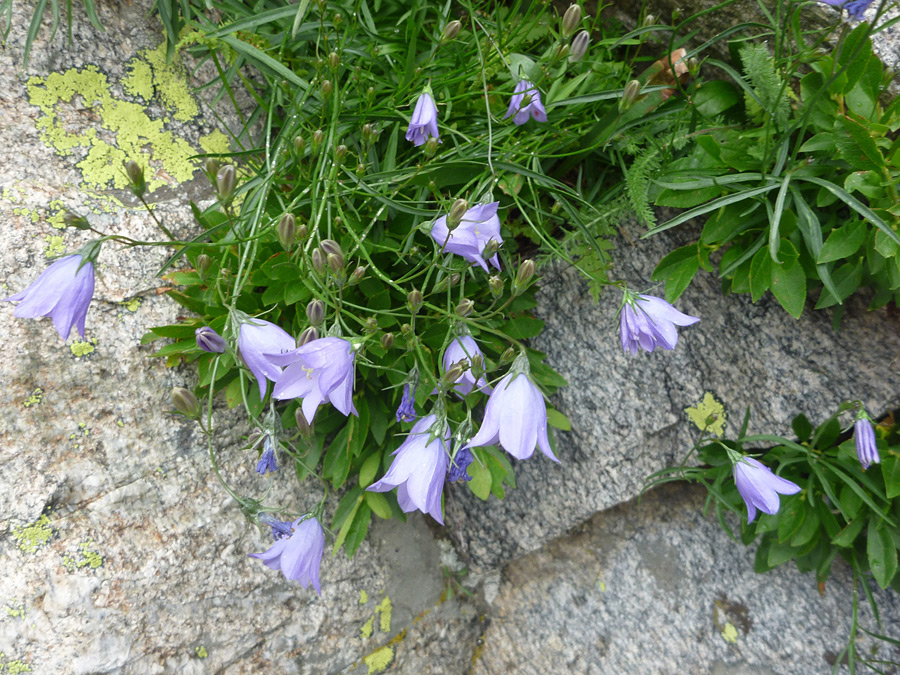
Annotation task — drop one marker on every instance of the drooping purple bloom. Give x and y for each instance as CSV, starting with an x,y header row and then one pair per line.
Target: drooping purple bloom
x,y
419,469
465,348
298,555
406,412
267,462
855,8
209,340
864,437
280,528
423,123
649,322
320,370
516,416
525,103
257,339
478,226
63,292
459,466
759,487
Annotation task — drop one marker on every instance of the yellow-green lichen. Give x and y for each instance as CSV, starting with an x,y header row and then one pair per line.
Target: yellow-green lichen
x,y
385,609
200,652
379,660
139,81
363,597
382,611
170,84
55,246
56,214
13,666
729,633
35,398
81,348
131,304
15,611
709,415
367,628
215,143
29,538
89,558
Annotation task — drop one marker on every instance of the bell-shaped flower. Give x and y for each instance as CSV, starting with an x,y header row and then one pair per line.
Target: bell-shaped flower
x,y
320,370
478,226
464,348
423,123
759,487
459,466
257,340
515,415
419,468
864,437
299,554
406,411
649,322
525,103
267,461
855,8
63,292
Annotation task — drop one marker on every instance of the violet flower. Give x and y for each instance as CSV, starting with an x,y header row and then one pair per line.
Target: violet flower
x,y
864,437
267,462
299,554
525,103
406,411
759,487
855,9
209,340
459,466
461,348
419,469
63,292
423,123
515,415
320,370
649,322
478,226
257,340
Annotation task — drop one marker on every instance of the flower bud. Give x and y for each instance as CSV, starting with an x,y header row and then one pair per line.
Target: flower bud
x,y
340,153
629,95
457,211
570,21
405,329
477,366
358,274
338,19
368,132
304,427
317,138
331,246
579,46
209,340
203,263
371,324
302,231
451,30
465,307
523,276
360,169
414,300
561,52
490,249
370,95
299,146
287,230
334,60
495,283
387,341
336,263
317,259
507,356
307,335
431,146
135,175
211,166
76,221
649,20
315,312
326,88
185,402
455,372
450,281
226,181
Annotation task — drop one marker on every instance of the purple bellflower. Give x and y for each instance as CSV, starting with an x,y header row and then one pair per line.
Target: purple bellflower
x,y
478,226
406,412
297,551
257,340
649,322
209,340
63,292
459,466
419,469
855,8
461,348
759,487
515,415
320,370
267,462
864,437
423,123
525,103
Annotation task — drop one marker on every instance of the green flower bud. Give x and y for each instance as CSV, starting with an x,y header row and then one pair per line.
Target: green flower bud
x,y
307,335
629,95
495,283
507,356
451,30
331,246
371,324
454,372
370,95
457,211
287,231
304,427
360,169
570,21
649,20
317,138
358,274
490,249
185,402
561,52
387,341
336,263
340,153
327,89
76,221
523,276
579,46
431,146
135,175
414,300
317,259
465,307
299,146
302,231
315,312
334,60
226,181
338,19
203,263
211,167
405,329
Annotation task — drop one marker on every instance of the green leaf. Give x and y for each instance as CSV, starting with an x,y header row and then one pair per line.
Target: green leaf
x,y
234,393
882,555
760,274
791,517
779,554
379,504
369,469
843,242
347,506
347,521
358,529
847,536
557,420
711,206
802,427
715,97
890,469
481,482
807,531
789,288
523,327
677,270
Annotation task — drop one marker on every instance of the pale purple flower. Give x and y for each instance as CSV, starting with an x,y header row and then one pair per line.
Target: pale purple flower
x,y
63,292
525,103
461,348
209,340
423,123
406,411
759,487
320,370
855,9
419,469
267,462
649,322
478,226
299,554
864,437
515,416
459,466
257,340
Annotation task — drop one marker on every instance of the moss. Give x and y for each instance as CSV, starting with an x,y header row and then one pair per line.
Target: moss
x,y
36,398
29,538
709,415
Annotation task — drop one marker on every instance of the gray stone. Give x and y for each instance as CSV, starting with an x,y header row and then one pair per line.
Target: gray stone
x,y
655,587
